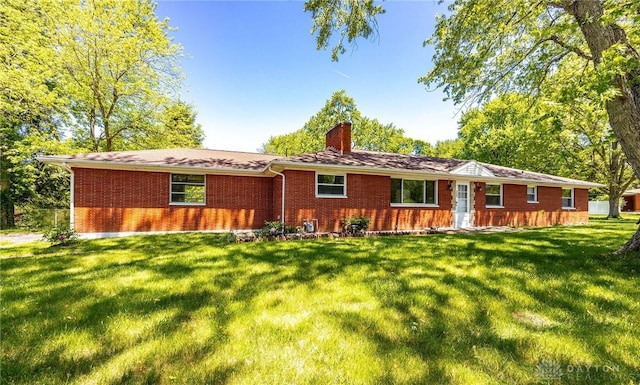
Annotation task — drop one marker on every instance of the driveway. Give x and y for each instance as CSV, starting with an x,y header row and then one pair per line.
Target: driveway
x,y
8,240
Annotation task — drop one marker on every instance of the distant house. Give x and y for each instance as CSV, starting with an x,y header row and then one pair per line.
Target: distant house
x,y
210,190
631,201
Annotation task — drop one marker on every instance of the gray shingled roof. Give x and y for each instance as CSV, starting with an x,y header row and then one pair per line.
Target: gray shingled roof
x,y
258,163
373,159
183,157
382,160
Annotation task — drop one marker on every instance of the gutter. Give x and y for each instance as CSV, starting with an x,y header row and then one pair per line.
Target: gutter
x,y
71,196
283,189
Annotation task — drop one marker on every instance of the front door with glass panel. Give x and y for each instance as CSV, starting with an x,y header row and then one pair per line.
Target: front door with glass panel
x,y
461,213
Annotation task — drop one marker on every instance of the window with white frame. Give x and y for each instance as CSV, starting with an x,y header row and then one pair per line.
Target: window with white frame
x,y
532,194
494,195
409,191
187,189
331,185
567,198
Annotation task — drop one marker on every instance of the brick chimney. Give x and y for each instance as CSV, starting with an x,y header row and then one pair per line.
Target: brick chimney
x,y
339,138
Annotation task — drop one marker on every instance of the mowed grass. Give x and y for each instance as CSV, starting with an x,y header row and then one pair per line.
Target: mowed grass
x,y
436,309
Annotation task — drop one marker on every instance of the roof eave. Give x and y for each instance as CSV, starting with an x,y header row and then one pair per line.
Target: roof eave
x,y
445,174
129,166
280,165
283,165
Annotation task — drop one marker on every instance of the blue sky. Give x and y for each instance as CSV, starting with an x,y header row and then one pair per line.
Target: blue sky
x,y
253,70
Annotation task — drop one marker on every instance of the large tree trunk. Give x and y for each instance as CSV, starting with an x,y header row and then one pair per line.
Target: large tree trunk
x,y
633,245
614,207
623,109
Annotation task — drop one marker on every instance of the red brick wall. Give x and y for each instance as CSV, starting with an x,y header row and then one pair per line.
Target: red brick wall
x,y
631,203
518,212
367,195
128,201
339,137
124,201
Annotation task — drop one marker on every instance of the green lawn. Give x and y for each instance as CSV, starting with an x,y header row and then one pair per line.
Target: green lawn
x,y
438,309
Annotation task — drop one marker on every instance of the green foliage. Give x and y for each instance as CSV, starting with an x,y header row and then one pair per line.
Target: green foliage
x,y
508,131
437,309
30,69
560,50
35,218
356,224
61,236
272,229
116,81
451,148
347,19
24,181
175,127
367,134
82,76
569,137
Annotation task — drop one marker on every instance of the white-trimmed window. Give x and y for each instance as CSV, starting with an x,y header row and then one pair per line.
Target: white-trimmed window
x,y
187,189
567,198
494,195
532,194
414,192
328,185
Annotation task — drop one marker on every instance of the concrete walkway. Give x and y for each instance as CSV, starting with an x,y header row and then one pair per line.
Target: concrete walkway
x,y
8,240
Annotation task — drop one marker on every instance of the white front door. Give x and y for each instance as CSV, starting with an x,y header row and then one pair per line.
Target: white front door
x,y
461,214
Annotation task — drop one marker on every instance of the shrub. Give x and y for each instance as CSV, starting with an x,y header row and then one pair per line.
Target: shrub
x,y
356,224
61,235
292,229
272,229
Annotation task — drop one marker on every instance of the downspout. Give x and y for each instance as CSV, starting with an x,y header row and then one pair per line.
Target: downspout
x,y
283,186
71,196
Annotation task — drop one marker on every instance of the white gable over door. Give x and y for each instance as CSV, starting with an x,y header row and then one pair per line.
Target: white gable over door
x,y
472,168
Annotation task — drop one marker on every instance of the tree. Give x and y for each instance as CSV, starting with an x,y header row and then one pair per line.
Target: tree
x,y
23,180
486,48
566,139
29,67
450,148
506,131
310,138
119,65
175,127
79,76
579,117
179,126
368,134
349,18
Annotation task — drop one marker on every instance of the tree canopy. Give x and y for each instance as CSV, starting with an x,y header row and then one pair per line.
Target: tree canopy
x,y
80,76
367,134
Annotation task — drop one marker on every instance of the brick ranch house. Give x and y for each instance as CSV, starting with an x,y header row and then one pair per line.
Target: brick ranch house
x,y
208,190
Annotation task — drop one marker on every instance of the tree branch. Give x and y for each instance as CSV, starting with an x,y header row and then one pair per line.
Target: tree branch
x,y
575,50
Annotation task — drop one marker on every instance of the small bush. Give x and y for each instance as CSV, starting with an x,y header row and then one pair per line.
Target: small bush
x,y
356,224
60,235
292,229
272,229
